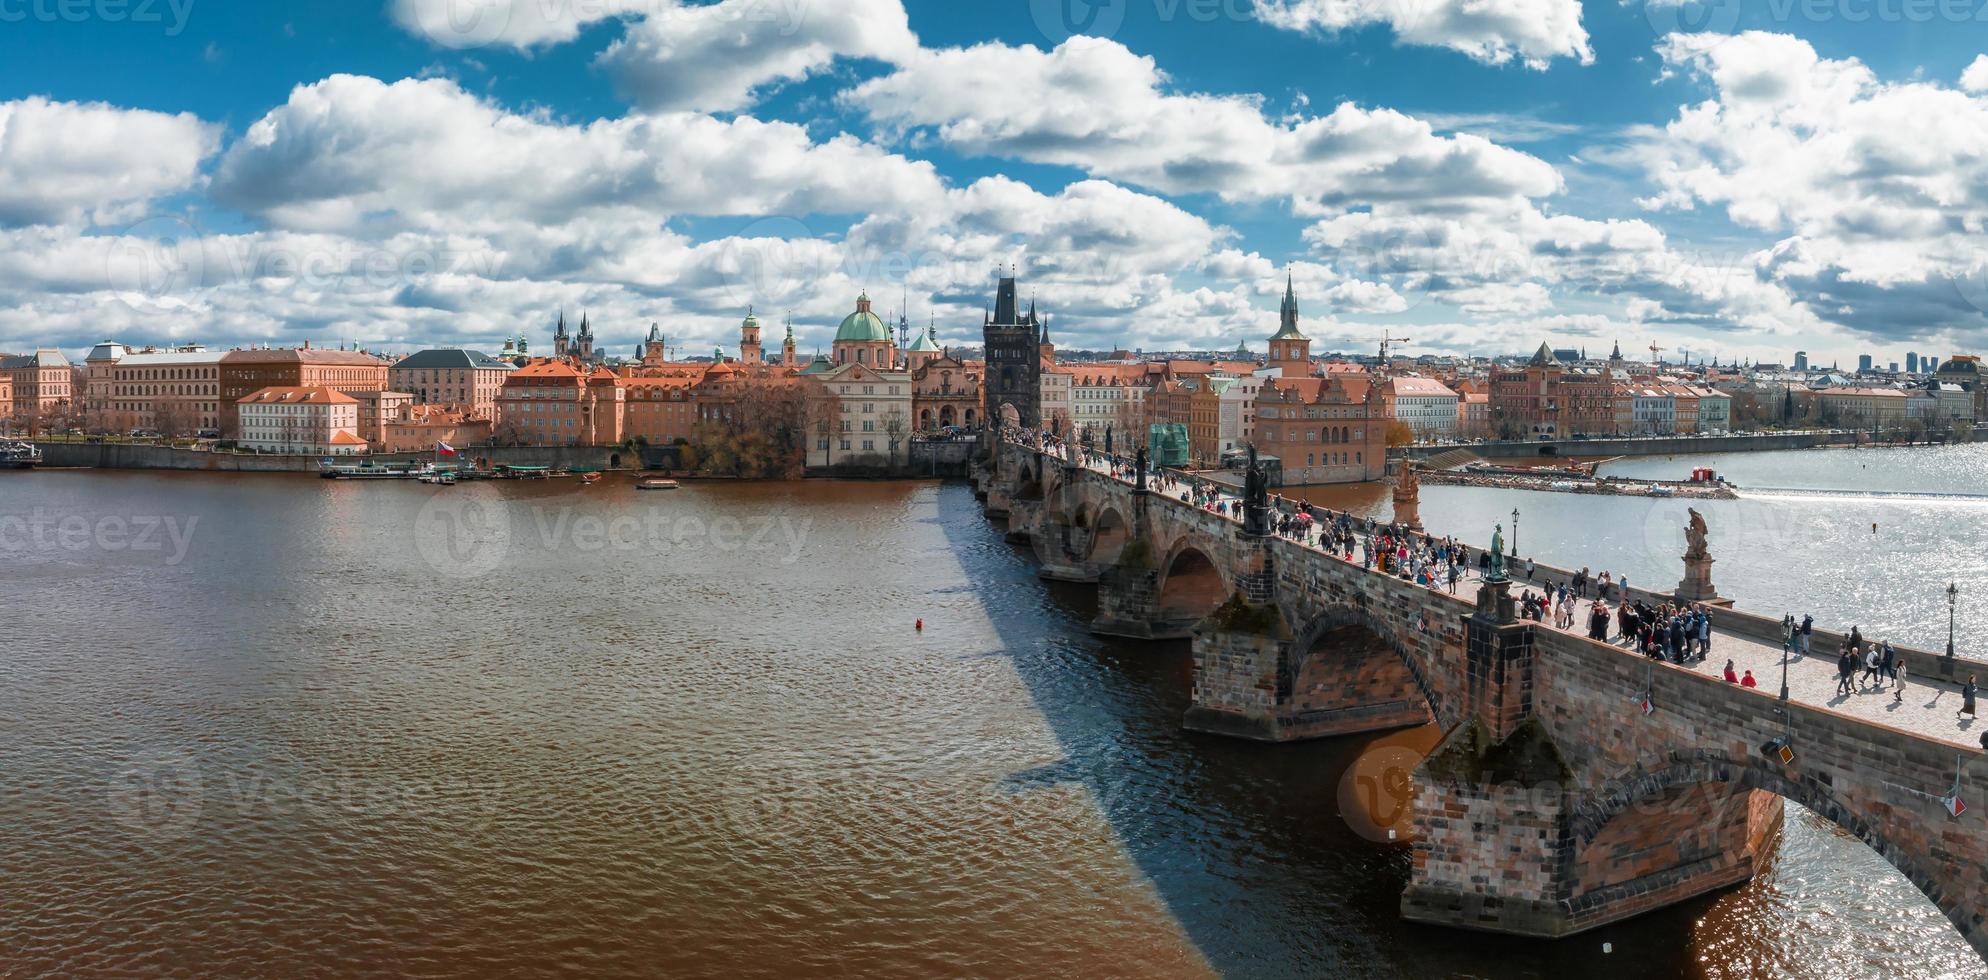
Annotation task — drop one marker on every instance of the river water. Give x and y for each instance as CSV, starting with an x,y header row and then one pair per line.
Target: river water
x,y
265,725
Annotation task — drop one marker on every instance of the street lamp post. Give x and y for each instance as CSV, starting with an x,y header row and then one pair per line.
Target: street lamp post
x,y
1788,639
1515,532
1953,597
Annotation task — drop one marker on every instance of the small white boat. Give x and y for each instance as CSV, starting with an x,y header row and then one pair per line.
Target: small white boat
x,y
656,485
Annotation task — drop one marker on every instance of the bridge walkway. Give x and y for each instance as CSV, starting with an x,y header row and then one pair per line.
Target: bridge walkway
x,y
1929,707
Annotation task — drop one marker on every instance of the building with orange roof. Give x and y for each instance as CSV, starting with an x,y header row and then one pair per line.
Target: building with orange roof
x,y
247,371
377,409
660,410
1110,396
1057,384
555,402
300,420
422,426
1473,415
1322,431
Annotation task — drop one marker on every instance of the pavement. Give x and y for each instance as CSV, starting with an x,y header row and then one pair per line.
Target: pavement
x,y
1929,707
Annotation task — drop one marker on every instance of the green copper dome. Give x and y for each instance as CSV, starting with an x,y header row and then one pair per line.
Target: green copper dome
x,y
862,326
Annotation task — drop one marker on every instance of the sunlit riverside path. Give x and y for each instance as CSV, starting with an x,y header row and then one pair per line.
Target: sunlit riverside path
x,y
1577,783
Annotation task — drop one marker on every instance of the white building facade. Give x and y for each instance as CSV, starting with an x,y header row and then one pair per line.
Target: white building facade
x,y
300,421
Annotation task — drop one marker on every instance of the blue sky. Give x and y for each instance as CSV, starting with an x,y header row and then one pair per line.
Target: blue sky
x,y
1741,178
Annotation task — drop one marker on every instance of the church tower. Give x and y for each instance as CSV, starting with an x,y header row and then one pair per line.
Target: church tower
x,y
1044,347
653,348
1290,350
586,339
749,349
1013,379
560,339
788,357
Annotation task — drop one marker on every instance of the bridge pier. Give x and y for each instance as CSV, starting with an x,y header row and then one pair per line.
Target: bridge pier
x,y
1507,836
1066,538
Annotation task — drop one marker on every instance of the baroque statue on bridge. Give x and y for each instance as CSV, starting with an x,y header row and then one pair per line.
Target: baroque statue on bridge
x,y
1694,537
1497,573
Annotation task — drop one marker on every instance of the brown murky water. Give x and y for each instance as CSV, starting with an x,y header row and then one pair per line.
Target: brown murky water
x,y
305,728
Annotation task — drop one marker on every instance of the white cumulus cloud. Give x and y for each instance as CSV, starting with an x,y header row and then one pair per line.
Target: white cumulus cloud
x,y
1492,31
67,162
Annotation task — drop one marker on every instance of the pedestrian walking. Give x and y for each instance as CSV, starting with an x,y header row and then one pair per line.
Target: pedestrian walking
x,y
1967,694
1900,698
1807,634
1846,671
1872,673
1888,661
1704,634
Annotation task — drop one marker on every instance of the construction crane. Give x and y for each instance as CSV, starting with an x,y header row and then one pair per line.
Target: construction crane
x,y
1656,355
1390,341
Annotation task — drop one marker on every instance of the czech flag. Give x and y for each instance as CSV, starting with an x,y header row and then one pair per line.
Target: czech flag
x,y
445,449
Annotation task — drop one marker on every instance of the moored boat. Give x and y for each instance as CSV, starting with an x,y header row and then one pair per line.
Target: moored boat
x,y
655,484
19,456
332,470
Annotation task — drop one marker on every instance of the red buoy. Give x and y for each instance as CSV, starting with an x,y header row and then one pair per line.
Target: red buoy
x,y
921,626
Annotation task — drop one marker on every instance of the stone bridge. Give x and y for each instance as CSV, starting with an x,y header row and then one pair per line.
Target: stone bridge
x,y
1576,784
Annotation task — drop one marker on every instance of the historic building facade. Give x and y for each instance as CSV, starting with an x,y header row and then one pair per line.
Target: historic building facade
x,y
176,393
860,415
300,420
41,383
244,372
1323,430
464,379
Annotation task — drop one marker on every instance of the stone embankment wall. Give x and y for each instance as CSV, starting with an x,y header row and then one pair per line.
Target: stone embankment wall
x,y
126,456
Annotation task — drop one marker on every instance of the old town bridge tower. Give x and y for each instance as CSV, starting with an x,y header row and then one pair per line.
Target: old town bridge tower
x,y
1013,382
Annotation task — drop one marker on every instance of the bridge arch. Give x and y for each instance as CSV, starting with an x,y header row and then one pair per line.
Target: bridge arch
x,y
1604,816
1110,533
1330,665
1190,584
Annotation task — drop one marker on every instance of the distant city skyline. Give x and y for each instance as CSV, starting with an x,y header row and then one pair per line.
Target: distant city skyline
x,y
411,173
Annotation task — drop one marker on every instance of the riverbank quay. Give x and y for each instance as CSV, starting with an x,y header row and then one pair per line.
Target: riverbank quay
x,y
1683,445
934,458
132,456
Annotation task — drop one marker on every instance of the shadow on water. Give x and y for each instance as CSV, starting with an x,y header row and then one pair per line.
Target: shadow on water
x,y
1243,841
